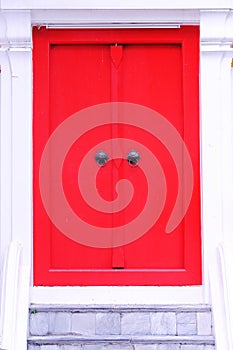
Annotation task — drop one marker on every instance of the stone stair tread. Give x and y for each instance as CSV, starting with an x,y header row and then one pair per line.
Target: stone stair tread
x,y
121,308
146,339
127,326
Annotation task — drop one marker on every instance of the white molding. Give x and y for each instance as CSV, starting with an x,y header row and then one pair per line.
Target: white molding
x,y
117,295
18,28
9,295
116,4
216,27
40,17
14,299
217,48
220,300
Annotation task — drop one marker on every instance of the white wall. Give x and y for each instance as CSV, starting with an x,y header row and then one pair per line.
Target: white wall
x,y
216,23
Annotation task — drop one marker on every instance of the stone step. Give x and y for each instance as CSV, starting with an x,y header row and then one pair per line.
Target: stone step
x,y
125,320
122,340
120,308
115,327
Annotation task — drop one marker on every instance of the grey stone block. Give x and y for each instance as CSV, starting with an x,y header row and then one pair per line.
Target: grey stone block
x,y
135,323
59,323
94,347
70,347
186,317
168,347
83,323
204,323
145,347
186,329
33,347
192,347
39,323
186,323
108,323
108,347
119,347
163,323
49,347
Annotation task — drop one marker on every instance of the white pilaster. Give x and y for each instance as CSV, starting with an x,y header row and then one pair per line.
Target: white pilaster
x,y
16,131
216,132
5,142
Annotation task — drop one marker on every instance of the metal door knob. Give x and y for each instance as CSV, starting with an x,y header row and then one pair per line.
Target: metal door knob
x,y
133,158
101,158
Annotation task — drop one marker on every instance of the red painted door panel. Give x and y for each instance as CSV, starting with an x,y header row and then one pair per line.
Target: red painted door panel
x,y
152,68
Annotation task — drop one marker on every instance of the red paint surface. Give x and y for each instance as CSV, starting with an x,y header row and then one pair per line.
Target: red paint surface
x,y
157,68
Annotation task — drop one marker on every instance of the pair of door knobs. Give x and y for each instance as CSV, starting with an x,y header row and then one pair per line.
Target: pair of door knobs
x,y
102,157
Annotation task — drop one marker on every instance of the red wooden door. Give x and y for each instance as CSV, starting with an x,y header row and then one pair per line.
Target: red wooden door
x,y
116,91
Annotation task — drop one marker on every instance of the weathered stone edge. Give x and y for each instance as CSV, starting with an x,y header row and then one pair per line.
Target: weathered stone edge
x,y
121,308
207,340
